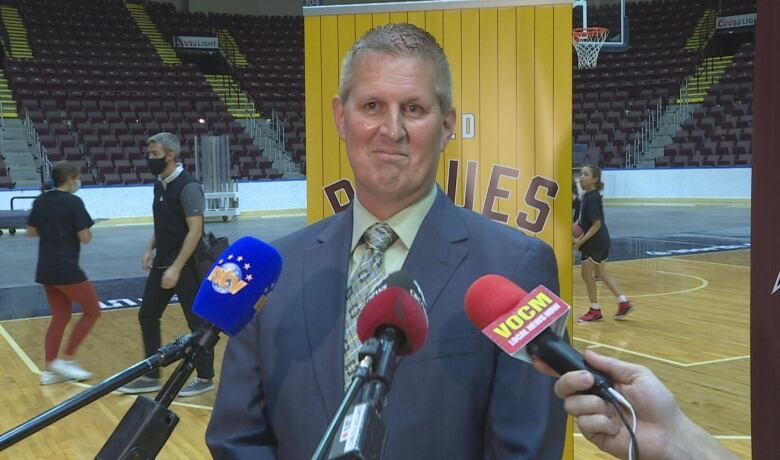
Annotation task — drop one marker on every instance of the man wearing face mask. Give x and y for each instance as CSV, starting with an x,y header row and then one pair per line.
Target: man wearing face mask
x,y
59,218
178,226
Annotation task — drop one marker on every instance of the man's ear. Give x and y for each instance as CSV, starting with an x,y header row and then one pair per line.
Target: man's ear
x,y
449,127
337,105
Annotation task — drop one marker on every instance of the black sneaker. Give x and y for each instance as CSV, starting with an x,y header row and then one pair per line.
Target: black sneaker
x,y
196,387
141,385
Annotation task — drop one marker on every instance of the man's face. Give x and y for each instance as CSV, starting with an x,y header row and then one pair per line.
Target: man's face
x,y
155,150
393,127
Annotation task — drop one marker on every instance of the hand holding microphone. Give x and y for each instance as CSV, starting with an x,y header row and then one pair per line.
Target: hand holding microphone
x,y
521,323
663,430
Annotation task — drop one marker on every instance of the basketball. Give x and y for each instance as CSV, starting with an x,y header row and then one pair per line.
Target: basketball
x,y
577,230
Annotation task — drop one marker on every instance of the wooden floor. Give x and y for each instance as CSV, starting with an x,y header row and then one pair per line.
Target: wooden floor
x,y
691,327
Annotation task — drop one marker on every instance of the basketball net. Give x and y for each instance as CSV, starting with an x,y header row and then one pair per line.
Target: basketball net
x,y
587,42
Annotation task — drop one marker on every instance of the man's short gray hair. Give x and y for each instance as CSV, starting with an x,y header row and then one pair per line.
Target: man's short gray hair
x,y
169,141
400,39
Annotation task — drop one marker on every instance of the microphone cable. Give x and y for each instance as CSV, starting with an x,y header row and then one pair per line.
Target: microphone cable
x,y
617,400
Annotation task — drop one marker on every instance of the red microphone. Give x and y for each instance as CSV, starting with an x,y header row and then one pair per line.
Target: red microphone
x,y
520,323
397,303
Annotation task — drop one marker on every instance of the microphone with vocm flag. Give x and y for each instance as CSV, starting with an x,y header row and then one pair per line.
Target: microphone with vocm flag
x,y
393,323
527,325
238,283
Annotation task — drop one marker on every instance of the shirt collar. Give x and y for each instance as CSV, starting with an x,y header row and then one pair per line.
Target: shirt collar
x,y
405,223
172,176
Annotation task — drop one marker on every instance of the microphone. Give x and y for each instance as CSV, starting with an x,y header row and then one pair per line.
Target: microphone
x,y
238,284
239,281
392,323
520,324
396,304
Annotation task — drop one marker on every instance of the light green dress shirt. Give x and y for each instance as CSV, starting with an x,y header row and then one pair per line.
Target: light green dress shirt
x,y
405,224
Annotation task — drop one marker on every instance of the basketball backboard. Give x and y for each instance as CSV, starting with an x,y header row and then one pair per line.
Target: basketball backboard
x,y
605,13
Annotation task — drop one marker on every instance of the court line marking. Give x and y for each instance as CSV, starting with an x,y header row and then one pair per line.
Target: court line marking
x,y
658,358
19,351
630,352
706,262
703,284
36,370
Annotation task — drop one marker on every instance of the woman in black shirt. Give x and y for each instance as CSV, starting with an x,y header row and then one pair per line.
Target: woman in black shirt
x,y
60,220
594,246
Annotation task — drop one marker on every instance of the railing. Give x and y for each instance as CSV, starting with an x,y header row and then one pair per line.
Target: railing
x,y
39,150
644,136
2,128
683,111
652,125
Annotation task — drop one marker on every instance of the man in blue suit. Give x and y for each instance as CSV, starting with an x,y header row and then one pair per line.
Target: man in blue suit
x,y
459,396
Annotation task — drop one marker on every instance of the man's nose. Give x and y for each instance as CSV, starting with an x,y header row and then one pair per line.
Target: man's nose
x,y
393,124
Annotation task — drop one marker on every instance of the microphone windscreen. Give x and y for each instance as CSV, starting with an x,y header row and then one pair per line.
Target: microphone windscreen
x,y
489,297
398,301
237,284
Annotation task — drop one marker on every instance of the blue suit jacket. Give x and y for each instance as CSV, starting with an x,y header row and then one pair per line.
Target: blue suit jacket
x,y
458,397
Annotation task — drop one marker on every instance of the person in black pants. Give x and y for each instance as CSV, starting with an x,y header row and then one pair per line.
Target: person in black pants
x,y
178,227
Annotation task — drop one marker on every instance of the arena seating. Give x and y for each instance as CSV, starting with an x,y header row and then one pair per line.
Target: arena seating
x,y
611,101
274,78
253,35
720,132
97,90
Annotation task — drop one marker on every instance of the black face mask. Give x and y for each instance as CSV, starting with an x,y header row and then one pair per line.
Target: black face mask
x,y
156,165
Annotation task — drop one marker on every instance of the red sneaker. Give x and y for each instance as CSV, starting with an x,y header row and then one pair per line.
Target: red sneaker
x,y
624,308
591,316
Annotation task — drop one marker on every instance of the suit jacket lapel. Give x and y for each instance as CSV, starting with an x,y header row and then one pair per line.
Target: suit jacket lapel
x,y
433,257
325,267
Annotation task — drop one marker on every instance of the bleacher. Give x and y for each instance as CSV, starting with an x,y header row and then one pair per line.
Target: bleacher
x,y
612,101
97,89
720,132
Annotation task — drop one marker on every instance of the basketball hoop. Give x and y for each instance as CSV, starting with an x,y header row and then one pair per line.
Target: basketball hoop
x,y
587,42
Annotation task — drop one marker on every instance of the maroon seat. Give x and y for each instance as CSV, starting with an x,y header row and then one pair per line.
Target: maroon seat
x,y
146,178
112,179
663,161
129,178
71,154
273,173
87,179
726,160
123,166
6,182
98,153
91,141
710,160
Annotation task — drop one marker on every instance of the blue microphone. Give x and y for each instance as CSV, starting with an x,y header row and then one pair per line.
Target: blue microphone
x,y
238,284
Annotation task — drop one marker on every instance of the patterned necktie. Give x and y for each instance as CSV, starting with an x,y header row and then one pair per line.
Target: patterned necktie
x,y
368,275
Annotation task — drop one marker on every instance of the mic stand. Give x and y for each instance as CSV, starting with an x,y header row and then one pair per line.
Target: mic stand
x,y
168,354
148,424
380,381
363,431
366,355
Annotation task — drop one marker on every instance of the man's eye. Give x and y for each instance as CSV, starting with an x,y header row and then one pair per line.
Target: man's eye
x,y
414,108
372,106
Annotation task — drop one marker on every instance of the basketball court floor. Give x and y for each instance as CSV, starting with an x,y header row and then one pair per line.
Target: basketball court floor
x,y
686,268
